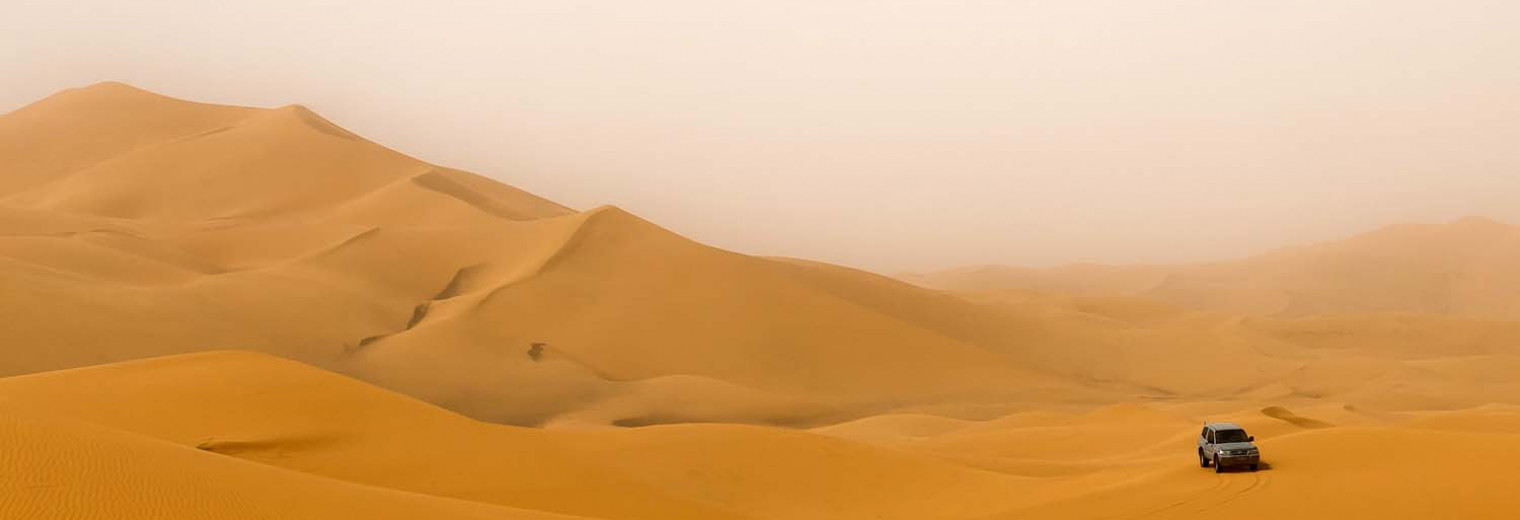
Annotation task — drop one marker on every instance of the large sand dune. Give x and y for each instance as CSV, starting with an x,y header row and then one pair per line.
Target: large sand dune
x,y
274,230
232,312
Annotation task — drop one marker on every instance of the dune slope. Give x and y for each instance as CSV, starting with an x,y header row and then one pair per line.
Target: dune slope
x,y
65,469
280,413
276,230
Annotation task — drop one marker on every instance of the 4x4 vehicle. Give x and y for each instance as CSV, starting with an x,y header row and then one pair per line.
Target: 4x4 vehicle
x,y
1226,444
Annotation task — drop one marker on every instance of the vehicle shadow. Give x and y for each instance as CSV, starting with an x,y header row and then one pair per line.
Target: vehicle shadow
x,y
1263,466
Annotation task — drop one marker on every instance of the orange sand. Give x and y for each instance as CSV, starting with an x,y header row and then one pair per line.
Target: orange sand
x,y
227,312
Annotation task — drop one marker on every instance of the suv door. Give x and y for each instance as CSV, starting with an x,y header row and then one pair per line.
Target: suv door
x,y
1208,442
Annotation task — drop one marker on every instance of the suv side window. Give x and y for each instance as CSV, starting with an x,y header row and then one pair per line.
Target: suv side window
x,y
1204,434
1210,437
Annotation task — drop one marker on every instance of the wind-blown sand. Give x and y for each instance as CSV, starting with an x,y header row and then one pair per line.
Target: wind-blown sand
x,y
235,312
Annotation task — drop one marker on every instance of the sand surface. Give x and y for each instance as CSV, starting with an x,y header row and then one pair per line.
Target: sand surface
x,y
229,312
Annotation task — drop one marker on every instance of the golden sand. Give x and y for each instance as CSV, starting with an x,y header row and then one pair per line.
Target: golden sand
x,y
228,312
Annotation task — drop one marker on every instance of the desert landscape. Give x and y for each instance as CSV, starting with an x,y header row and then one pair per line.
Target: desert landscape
x,y
232,312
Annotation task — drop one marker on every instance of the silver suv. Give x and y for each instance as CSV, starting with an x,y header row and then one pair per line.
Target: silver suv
x,y
1226,444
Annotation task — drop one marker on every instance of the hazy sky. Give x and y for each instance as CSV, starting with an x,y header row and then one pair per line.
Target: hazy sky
x,y
886,135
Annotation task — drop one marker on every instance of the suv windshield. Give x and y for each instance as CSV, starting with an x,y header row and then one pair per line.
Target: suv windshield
x,y
1225,436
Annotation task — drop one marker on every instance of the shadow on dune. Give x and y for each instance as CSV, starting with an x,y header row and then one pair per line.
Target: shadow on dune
x,y
1264,466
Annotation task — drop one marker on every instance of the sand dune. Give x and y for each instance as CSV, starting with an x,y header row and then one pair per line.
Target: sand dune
x,y
274,230
280,413
277,231
233,312
219,432
1386,474
1464,267
65,469
263,409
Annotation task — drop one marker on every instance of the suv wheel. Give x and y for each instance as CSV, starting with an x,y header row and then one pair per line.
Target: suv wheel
x,y
1203,462
1253,467
1217,467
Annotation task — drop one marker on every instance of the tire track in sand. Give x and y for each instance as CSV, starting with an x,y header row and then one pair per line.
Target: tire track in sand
x,y
1256,481
1219,483
1221,488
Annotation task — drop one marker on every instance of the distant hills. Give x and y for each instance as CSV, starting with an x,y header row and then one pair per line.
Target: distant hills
x,y
1468,267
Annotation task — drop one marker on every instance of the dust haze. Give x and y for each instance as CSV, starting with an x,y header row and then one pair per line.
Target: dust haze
x,y
780,261
897,136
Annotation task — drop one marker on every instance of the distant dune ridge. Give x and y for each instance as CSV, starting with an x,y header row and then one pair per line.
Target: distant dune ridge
x,y
1463,268
234,312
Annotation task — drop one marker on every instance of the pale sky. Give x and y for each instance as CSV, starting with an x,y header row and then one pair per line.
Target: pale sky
x,y
886,135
